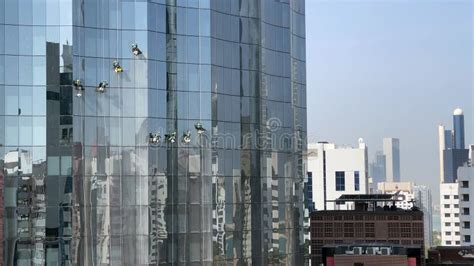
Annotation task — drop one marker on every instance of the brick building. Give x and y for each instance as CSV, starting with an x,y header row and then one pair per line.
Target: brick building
x,y
374,254
370,222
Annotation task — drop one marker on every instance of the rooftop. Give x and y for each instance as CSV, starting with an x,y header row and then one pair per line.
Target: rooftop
x,y
366,197
458,111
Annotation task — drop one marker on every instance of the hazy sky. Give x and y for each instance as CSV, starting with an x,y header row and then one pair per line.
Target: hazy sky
x,y
390,69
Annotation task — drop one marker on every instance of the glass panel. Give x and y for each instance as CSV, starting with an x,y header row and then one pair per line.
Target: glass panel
x,y
11,100
39,100
66,165
39,131
11,131
26,131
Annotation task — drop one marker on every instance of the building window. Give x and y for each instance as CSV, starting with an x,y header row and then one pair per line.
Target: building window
x,y
458,242
456,224
447,224
447,215
340,181
456,206
467,225
465,211
356,181
448,242
447,233
465,197
446,206
465,184
446,196
467,238
456,233
456,196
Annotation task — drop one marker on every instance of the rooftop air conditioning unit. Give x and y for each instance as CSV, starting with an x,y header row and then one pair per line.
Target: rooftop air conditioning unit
x,y
385,251
371,251
349,252
357,250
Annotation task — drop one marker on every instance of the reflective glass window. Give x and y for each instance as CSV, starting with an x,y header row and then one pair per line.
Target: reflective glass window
x,y
11,131
25,131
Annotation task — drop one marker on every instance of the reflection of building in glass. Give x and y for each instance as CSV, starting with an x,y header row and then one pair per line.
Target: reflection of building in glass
x,y
84,185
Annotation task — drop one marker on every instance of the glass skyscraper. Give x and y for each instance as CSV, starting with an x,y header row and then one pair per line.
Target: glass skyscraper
x,y
152,132
458,129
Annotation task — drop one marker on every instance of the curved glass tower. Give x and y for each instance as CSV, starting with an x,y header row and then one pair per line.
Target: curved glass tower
x,y
152,132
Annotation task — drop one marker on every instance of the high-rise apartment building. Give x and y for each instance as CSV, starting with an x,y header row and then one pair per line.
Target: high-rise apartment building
x,y
337,170
466,204
449,212
391,150
152,132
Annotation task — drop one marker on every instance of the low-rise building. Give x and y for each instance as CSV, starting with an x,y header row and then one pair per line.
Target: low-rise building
x,y
404,191
372,221
375,254
460,256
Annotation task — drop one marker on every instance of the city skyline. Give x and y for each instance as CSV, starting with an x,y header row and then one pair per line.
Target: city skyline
x,y
390,69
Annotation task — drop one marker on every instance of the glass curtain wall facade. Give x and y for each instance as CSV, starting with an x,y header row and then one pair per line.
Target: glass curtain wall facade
x,y
103,160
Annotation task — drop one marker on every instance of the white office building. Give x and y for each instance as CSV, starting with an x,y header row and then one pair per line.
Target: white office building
x,y
423,201
450,223
404,190
466,204
391,150
337,170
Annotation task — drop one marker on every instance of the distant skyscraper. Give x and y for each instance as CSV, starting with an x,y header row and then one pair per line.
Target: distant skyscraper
x,y
452,157
423,201
377,168
471,155
458,124
452,152
391,150
442,147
